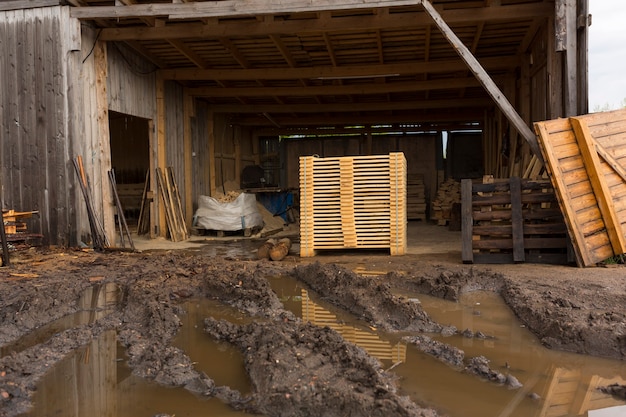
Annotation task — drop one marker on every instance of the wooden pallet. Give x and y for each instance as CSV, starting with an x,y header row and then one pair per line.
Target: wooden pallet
x,y
586,159
511,221
353,202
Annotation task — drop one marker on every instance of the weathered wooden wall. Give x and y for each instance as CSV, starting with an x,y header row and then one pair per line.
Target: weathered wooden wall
x,y
38,48
420,151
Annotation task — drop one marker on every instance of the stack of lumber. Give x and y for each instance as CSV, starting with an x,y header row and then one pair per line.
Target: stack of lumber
x,y
170,196
449,193
353,202
15,226
416,198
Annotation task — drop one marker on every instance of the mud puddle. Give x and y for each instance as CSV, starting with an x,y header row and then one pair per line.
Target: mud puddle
x,y
95,381
96,302
554,383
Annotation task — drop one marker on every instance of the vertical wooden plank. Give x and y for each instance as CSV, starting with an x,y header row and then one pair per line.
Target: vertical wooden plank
x,y
104,143
606,205
346,190
517,220
467,222
152,185
211,152
188,160
161,157
307,248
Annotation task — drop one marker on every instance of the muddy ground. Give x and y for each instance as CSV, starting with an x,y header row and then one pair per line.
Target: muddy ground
x,y
296,369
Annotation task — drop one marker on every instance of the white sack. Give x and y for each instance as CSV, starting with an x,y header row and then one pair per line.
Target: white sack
x,y
242,213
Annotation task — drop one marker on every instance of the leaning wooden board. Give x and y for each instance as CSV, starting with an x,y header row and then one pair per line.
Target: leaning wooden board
x,y
353,202
586,159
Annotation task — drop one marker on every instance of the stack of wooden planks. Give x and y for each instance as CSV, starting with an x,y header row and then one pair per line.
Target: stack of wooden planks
x,y
416,198
449,192
353,202
15,226
586,159
513,220
174,214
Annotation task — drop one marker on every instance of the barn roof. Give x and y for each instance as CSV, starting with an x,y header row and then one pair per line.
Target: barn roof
x,y
327,62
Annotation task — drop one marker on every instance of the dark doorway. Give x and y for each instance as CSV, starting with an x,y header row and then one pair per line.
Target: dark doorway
x,y
130,159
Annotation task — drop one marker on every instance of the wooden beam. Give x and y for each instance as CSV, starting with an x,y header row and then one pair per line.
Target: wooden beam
x,y
498,63
188,111
350,107
481,74
161,156
26,4
229,8
332,90
325,23
104,137
445,117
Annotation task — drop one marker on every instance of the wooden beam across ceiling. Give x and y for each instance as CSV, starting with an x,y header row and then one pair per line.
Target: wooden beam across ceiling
x,y
336,90
356,71
354,107
229,8
325,22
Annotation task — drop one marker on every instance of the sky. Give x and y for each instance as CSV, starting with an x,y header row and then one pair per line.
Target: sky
x,y
607,54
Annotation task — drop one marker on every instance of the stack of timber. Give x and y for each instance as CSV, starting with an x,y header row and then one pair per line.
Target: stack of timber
x,y
353,202
585,157
512,221
173,207
16,227
416,198
449,192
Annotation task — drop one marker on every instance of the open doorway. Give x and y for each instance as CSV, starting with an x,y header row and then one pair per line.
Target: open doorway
x,y
130,160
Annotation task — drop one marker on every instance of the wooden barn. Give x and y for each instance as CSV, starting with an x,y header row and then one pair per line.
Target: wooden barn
x,y
208,88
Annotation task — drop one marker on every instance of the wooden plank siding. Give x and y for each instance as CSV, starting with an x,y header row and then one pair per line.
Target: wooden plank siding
x,y
35,148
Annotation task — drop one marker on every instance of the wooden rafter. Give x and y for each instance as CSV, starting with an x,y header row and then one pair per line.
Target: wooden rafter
x,y
328,24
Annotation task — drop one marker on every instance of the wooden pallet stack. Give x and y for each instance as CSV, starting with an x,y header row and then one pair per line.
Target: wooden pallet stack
x,y
416,198
449,192
512,221
353,202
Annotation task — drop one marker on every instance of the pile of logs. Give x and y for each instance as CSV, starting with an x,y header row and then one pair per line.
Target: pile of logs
x,y
449,193
274,249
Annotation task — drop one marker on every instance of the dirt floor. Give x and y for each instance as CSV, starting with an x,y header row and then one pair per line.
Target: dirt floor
x,y
296,369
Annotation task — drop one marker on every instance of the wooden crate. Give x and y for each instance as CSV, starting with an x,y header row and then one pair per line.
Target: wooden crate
x,y
353,202
586,159
509,221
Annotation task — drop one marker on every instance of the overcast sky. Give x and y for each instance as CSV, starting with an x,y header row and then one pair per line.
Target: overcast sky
x,y
607,53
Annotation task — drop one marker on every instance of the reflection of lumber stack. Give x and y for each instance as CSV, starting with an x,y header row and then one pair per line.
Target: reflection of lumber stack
x,y
370,341
415,198
353,202
449,193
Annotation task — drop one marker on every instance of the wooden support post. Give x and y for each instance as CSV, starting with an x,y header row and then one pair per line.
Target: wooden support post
x,y
211,146
484,78
161,157
188,158
467,221
517,220
103,162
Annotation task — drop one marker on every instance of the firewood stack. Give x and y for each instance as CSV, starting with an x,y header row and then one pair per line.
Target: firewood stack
x,y
416,198
449,193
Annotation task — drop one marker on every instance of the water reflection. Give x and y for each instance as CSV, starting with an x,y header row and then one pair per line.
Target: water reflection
x,y
567,384
556,384
96,302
